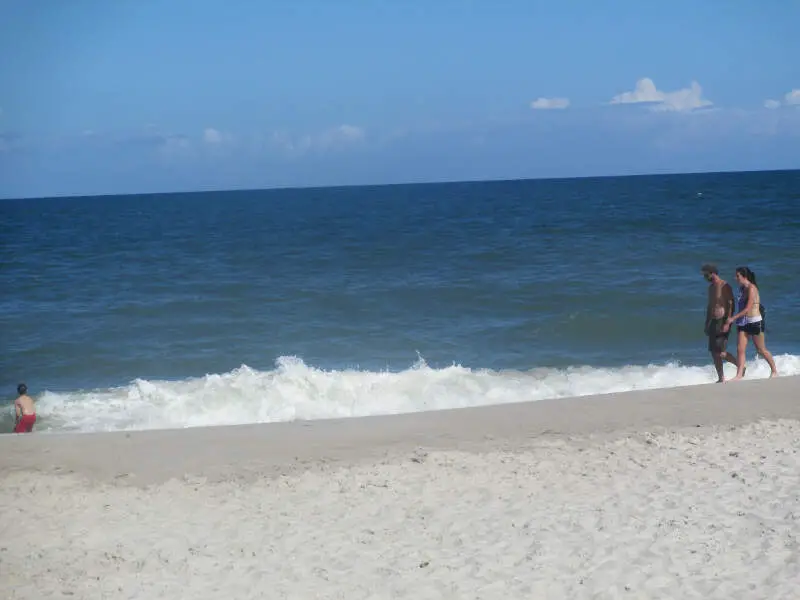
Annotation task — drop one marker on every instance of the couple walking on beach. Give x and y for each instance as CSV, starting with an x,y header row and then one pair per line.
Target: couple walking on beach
x,y
745,310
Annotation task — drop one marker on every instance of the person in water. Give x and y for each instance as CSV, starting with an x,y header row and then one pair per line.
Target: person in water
x,y
749,321
720,306
25,409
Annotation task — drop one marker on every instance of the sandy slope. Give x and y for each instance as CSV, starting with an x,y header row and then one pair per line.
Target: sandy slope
x,y
628,499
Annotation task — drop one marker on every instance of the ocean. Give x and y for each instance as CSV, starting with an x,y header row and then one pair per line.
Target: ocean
x,y
182,310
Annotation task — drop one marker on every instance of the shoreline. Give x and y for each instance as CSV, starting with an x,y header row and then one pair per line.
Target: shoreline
x,y
144,457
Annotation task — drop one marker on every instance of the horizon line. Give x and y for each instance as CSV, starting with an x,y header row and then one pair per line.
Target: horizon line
x,y
395,184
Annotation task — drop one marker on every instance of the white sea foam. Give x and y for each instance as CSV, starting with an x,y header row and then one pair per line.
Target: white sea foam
x,y
296,391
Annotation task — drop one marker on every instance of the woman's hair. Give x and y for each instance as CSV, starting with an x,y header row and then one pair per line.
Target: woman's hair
x,y
747,274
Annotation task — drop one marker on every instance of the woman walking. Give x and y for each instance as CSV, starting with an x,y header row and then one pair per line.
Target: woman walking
x,y
749,321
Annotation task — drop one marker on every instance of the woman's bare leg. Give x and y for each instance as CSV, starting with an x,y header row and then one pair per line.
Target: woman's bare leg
x,y
741,353
761,348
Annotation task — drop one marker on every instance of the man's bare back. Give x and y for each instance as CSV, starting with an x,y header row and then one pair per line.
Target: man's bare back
x,y
25,405
25,409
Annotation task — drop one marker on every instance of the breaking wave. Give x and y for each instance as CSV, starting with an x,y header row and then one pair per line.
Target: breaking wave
x,y
296,391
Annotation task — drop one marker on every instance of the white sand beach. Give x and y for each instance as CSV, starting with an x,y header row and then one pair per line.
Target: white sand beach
x,y
677,493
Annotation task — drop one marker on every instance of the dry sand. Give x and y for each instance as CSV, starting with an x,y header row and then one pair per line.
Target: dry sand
x,y
679,493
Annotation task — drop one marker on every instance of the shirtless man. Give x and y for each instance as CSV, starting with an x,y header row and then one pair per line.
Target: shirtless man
x,y
25,410
721,305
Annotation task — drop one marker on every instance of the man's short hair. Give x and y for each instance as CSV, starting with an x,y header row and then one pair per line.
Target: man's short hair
x,y
710,268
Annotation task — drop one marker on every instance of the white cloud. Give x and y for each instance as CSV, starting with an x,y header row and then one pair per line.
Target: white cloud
x,y
212,136
350,132
215,136
683,100
175,146
550,103
789,99
336,138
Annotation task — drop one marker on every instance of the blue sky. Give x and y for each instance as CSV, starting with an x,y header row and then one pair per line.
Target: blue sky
x,y
100,97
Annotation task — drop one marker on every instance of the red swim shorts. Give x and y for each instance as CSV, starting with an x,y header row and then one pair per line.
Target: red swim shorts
x,y
25,424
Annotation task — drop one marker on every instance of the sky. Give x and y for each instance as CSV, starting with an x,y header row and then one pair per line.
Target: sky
x,y
100,97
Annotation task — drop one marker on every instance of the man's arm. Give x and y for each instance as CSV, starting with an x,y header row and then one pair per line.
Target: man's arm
x,y
708,311
17,410
730,301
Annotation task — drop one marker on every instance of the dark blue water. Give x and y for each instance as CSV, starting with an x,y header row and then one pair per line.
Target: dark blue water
x,y
114,305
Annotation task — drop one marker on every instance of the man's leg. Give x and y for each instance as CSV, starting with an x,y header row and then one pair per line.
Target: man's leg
x,y
717,345
717,357
720,345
